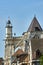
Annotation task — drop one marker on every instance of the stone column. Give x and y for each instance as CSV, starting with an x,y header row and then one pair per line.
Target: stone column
x,y
30,52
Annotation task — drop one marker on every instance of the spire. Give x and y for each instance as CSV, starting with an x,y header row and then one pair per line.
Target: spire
x,y
8,29
34,26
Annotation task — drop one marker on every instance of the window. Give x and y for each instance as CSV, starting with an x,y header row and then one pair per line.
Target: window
x,y
38,53
37,29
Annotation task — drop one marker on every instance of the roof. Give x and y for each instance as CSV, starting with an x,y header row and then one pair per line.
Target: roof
x,y
22,57
34,25
18,52
19,55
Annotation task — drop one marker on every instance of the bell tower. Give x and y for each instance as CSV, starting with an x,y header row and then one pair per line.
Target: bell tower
x,y
8,29
9,44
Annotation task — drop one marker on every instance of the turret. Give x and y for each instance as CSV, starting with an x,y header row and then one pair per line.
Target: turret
x,y
9,29
9,44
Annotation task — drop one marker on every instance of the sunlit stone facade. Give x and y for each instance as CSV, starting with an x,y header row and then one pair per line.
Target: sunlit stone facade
x,y
25,49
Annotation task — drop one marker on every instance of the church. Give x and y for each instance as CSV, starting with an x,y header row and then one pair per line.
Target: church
x,y
25,49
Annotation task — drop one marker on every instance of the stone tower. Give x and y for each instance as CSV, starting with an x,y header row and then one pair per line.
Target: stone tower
x,y
9,44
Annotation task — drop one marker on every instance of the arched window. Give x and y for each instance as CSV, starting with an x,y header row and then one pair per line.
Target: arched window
x,y
38,53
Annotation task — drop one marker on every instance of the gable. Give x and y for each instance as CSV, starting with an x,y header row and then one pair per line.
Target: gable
x,y
34,26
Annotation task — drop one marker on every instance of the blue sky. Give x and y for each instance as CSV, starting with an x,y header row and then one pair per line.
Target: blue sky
x,y
21,13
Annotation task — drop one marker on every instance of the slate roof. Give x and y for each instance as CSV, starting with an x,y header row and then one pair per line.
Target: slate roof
x,y
34,24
